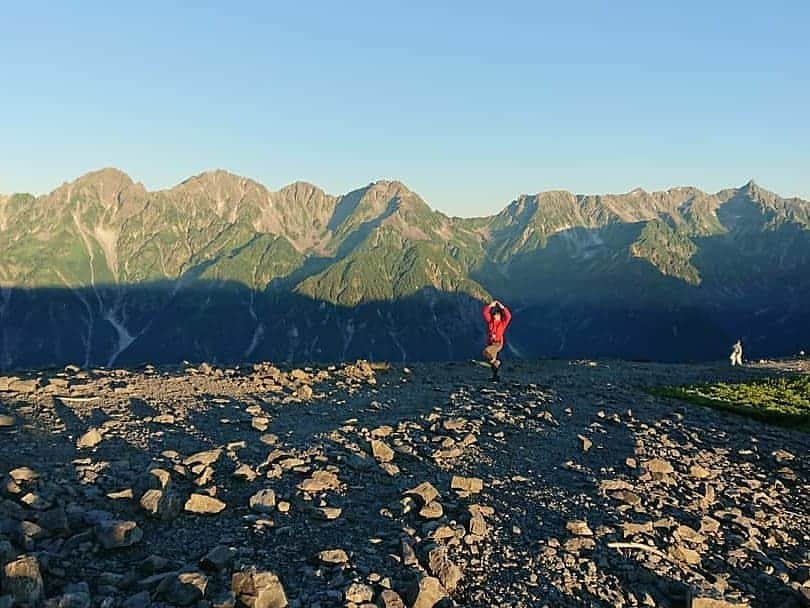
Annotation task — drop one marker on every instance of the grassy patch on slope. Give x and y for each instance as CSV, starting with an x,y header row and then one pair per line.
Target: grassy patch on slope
x,y
784,401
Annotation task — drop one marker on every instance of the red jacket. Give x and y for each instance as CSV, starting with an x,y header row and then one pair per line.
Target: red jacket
x,y
495,329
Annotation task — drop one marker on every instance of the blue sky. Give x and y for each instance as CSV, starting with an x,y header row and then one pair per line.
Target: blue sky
x,y
469,103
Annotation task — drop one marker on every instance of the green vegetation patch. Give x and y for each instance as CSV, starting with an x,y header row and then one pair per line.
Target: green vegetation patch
x,y
783,400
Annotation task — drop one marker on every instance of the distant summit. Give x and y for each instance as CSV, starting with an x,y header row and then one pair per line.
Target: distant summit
x,y
102,271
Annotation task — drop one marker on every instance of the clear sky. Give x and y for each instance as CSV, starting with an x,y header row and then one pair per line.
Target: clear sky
x,y
469,103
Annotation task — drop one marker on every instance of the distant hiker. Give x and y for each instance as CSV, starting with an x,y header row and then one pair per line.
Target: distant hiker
x,y
497,317
736,354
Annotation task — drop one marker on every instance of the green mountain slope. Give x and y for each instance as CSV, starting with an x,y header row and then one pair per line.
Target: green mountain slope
x,y
98,265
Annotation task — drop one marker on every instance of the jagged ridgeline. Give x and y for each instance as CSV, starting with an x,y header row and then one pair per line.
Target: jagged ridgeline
x,y
219,268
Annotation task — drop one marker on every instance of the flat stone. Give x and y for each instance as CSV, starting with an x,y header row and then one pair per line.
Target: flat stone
x,y
23,580
707,602
139,600
203,504
579,543
425,491
185,588
389,599
709,525
245,473
578,527
320,481
586,443
442,567
626,496
470,485
478,526
260,423
327,513
381,451
161,504
23,386
688,534
358,593
90,439
782,456
299,374
699,472
259,589
333,557
7,422
427,592
117,534
219,558
23,474
612,485
658,465
685,554
76,596
390,468
432,510
208,457
631,529
263,501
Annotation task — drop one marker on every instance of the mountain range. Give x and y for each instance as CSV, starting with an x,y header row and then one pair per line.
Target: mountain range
x,y
219,268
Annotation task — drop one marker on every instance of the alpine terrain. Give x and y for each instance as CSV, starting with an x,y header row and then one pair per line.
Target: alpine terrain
x,y
219,268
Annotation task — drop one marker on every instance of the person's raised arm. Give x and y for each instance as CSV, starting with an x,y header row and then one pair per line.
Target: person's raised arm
x,y
486,312
507,314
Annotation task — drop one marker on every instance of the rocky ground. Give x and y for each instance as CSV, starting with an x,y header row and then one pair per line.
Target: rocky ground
x,y
356,485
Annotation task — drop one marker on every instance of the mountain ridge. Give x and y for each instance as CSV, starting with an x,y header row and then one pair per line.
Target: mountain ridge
x,y
582,269
106,172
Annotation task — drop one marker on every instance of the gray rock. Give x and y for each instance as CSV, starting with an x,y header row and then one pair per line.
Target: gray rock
x,y
202,504
320,481
160,504
260,589
333,557
90,439
658,466
586,443
206,458
578,527
76,596
426,592
389,599
381,451
432,510
224,600
219,558
184,588
470,485
139,600
263,501
6,552
358,593
442,567
23,580
707,602
425,491
115,534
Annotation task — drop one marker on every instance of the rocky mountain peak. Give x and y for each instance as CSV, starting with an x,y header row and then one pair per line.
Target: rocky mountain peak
x,y
109,186
219,180
301,189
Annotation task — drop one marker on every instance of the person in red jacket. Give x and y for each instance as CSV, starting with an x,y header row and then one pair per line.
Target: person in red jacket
x,y
498,318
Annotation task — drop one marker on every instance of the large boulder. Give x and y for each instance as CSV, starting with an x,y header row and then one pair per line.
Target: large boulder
x,y
23,580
